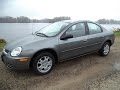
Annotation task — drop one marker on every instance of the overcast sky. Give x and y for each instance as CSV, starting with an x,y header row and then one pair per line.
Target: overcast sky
x,y
76,9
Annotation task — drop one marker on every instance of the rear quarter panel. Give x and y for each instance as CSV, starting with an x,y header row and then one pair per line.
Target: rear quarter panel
x,y
108,35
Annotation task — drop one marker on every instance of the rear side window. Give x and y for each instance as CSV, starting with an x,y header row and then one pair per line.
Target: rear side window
x,y
77,30
93,28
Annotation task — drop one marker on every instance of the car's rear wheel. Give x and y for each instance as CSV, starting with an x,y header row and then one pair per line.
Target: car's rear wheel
x,y
104,51
43,63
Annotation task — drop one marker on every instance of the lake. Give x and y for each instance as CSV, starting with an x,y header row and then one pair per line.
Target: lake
x,y
12,31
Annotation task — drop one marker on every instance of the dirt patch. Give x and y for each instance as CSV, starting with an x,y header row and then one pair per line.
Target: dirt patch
x,y
4,85
109,82
89,72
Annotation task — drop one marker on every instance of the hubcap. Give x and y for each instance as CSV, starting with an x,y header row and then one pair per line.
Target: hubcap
x,y
106,49
44,64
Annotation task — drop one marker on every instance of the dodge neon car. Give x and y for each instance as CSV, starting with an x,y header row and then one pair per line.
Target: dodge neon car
x,y
57,42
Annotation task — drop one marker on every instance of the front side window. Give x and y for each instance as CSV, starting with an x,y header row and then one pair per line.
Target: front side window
x,y
53,29
77,30
93,28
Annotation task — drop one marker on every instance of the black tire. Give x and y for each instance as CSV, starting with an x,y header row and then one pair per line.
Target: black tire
x,y
102,50
36,60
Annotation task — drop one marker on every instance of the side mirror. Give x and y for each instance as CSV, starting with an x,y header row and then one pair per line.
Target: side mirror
x,y
66,36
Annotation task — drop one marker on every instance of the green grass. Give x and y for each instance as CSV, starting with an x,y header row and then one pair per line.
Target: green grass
x,y
117,33
2,44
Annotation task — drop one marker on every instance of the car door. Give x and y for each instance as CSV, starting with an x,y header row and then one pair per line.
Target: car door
x,y
95,36
74,46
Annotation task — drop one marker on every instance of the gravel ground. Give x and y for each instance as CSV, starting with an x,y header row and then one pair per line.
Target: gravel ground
x,y
91,72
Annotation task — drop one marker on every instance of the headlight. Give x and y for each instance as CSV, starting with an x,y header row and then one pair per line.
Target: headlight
x,y
16,51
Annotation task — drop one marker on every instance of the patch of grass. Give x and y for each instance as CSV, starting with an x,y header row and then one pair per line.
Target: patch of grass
x,y
2,43
117,33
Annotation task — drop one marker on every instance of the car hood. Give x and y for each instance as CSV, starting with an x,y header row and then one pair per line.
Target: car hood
x,y
24,41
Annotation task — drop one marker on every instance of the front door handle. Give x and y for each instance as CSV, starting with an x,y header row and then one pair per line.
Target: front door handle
x,y
103,36
85,40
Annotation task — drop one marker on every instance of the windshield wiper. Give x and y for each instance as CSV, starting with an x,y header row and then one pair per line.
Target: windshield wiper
x,y
38,34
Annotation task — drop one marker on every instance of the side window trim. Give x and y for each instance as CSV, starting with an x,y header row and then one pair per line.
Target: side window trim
x,y
95,24
86,32
86,28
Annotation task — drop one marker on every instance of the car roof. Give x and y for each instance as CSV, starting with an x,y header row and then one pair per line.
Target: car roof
x,y
74,21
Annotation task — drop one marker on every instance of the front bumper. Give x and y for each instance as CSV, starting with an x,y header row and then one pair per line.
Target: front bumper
x,y
14,62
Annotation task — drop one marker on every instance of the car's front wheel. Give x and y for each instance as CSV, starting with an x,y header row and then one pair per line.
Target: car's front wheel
x,y
43,63
104,51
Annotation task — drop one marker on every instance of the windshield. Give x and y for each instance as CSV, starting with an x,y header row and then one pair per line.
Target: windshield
x,y
52,29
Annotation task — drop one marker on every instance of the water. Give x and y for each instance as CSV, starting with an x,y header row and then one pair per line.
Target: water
x,y
13,31
111,26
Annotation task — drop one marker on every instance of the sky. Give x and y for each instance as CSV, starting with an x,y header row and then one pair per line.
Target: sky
x,y
76,9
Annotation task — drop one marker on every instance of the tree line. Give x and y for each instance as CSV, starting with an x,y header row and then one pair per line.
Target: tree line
x,y
108,21
23,19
